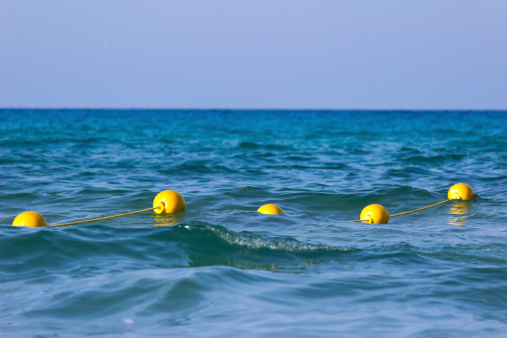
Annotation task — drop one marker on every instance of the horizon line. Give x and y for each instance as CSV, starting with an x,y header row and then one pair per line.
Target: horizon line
x,y
265,109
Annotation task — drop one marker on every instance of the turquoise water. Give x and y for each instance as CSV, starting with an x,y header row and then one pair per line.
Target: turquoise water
x,y
222,269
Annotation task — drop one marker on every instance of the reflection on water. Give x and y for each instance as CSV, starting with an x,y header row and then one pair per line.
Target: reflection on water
x,y
165,219
461,209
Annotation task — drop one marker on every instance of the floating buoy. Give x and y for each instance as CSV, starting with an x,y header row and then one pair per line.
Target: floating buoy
x,y
460,191
168,202
30,219
270,209
375,213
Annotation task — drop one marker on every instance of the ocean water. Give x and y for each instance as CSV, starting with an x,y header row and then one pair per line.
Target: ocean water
x,y
222,269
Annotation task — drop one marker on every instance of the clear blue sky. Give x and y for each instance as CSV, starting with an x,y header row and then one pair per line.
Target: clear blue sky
x,y
431,54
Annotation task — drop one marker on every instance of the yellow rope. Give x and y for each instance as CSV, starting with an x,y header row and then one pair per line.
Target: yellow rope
x,y
409,212
102,218
139,211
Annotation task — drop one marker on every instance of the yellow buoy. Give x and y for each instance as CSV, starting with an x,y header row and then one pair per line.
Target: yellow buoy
x,y
168,202
460,191
270,209
30,219
375,213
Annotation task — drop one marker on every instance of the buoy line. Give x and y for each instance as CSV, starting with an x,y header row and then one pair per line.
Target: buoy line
x,y
169,201
376,213
166,202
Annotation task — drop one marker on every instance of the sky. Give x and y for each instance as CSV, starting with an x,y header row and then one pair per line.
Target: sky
x,y
236,54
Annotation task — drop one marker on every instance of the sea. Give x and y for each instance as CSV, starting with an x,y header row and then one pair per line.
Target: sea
x,y
222,269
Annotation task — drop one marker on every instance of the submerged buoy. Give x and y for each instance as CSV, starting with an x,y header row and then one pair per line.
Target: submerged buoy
x,y
168,202
375,213
30,219
270,209
460,191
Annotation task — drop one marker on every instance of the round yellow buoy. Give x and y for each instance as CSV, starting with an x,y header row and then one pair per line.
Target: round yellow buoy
x,y
168,202
270,209
460,191
375,213
30,219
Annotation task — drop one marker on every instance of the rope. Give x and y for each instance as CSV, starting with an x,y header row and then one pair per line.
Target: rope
x,y
102,218
144,210
429,206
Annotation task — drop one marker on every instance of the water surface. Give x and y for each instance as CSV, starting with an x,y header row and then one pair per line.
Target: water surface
x,y
222,269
